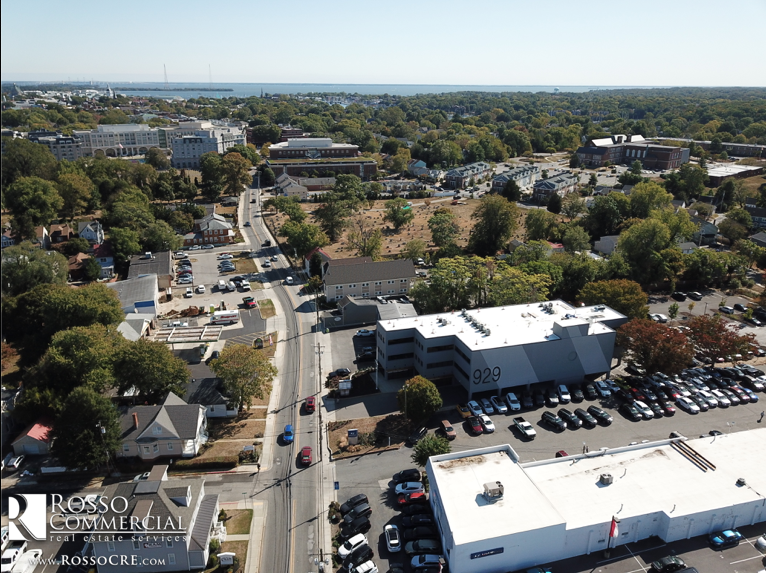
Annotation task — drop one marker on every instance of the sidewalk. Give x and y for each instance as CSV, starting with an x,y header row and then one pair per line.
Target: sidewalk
x,y
255,538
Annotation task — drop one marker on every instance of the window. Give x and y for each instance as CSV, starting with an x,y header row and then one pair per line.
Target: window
x,y
171,558
136,545
156,448
377,283
462,355
146,449
169,542
401,356
125,448
339,287
441,348
391,282
401,340
439,364
365,284
404,280
377,292
457,367
110,545
402,290
392,291
157,430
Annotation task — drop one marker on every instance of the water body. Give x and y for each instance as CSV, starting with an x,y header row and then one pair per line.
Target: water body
x,y
187,90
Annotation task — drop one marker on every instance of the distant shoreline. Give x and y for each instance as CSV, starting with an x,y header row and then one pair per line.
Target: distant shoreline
x,y
139,89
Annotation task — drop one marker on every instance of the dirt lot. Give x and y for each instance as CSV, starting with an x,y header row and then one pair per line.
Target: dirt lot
x,y
393,426
267,309
246,426
394,242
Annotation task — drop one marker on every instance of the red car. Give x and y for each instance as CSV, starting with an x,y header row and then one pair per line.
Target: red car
x,y
667,407
310,404
410,498
475,425
306,455
249,302
638,394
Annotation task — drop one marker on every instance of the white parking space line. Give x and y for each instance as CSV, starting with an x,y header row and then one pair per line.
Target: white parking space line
x,y
748,559
383,483
636,558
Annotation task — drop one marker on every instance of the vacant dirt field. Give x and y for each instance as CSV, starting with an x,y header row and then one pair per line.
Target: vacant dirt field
x,y
245,426
393,242
393,426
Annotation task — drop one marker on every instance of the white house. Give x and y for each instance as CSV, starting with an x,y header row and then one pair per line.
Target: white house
x,y
606,244
91,231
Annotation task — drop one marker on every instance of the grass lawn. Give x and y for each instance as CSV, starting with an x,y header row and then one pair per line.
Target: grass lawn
x,y
243,427
225,448
237,547
267,309
238,521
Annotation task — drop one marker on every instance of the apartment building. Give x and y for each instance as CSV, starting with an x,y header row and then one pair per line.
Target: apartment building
x,y
459,177
363,278
187,149
122,140
561,185
524,177
619,149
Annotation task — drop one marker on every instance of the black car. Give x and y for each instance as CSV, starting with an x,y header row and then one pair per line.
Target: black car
x,y
570,419
587,420
423,546
417,519
590,392
631,412
701,402
421,532
552,420
359,525
266,243
600,415
577,394
340,373
526,401
365,356
395,568
679,296
417,435
539,399
412,474
360,555
361,510
625,396
656,409
668,564
694,296
352,502
414,509
740,307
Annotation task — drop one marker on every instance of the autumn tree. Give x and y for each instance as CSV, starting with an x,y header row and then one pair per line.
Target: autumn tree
x,y
235,173
246,373
419,399
365,237
624,296
714,339
539,224
444,227
654,347
414,250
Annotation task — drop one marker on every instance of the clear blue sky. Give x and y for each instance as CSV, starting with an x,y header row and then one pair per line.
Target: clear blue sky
x,y
499,42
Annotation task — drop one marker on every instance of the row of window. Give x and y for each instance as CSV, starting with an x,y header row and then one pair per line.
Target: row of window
x,y
155,448
441,348
401,340
462,354
377,283
401,356
439,364
460,370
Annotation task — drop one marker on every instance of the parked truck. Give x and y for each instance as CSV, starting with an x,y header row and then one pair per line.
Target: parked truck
x,y
11,555
525,428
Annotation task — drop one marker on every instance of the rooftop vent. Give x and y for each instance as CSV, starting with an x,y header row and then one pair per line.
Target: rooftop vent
x,y
740,482
493,491
606,479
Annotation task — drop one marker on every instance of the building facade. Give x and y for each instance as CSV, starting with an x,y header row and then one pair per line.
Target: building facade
x,y
362,167
524,177
619,149
460,177
560,185
210,230
188,149
363,278
123,140
312,148
62,146
496,349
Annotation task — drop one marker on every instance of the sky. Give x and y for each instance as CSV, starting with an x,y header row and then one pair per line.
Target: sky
x,y
453,42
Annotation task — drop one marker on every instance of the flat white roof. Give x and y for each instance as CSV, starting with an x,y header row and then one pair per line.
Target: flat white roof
x,y
648,478
460,479
310,142
728,169
508,325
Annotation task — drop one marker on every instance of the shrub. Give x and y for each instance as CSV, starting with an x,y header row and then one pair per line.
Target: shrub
x,y
195,464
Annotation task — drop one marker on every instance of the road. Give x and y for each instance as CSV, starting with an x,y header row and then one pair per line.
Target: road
x,y
294,528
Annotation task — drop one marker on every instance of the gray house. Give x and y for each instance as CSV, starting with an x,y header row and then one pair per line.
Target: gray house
x,y
364,278
179,520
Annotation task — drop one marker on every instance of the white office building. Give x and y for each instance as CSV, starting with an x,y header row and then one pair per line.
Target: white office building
x,y
188,149
123,140
544,511
495,349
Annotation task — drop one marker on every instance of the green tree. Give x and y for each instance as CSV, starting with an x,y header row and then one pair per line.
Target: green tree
x,y
509,285
151,369
572,206
430,445
654,347
87,433
248,151
398,213
576,239
574,161
624,296
647,197
365,238
22,158
75,246
419,399
92,269
159,236
212,178
741,217
512,191
157,158
496,219
732,230
235,173
444,227
593,181
303,237
750,251
125,243
607,214
32,201
267,177
76,193
554,203
641,245
540,224
414,250
673,311
26,266
246,373
633,175
332,216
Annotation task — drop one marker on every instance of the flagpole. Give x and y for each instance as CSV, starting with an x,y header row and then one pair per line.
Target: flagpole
x,y
613,532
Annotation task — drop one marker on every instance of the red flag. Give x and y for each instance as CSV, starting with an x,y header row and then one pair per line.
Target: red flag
x,y
614,530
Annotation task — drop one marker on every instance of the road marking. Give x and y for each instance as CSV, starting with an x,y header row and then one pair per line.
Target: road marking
x,y
292,536
748,559
383,483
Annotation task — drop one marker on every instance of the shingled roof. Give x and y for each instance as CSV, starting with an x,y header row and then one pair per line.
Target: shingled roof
x,y
176,417
340,271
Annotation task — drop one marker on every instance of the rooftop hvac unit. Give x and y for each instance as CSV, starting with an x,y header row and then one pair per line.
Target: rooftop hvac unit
x,y
489,332
606,479
493,490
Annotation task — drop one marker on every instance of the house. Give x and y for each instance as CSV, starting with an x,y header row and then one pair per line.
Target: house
x,y
524,177
42,238
687,247
138,295
556,247
102,252
136,326
183,518
35,440
759,238
8,239
460,177
361,277
207,393
370,310
607,244
758,214
159,264
706,232
678,204
61,233
173,429
307,260
416,167
77,266
211,229
91,231
560,185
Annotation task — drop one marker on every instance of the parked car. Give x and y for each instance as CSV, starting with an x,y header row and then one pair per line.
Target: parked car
x,y
527,402
679,296
224,256
359,525
414,509
694,295
351,544
412,498
393,538
564,396
200,289
409,487
474,407
644,410
360,555
306,455
590,392
686,404
486,405
475,425
420,561
552,420
448,431
498,405
352,502
486,423
340,373
630,411
288,434
551,398
417,519
364,332
740,307
408,475
513,402
577,394
463,410
602,389
423,546
587,420
570,419
668,564
421,532
725,539
311,404
726,309
361,510
600,415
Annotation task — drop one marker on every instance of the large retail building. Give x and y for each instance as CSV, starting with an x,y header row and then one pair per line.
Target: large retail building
x,y
495,349
549,510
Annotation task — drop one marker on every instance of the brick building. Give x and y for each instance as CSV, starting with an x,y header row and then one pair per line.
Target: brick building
x,y
619,149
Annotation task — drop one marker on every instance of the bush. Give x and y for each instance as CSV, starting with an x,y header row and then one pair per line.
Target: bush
x,y
214,545
212,561
194,464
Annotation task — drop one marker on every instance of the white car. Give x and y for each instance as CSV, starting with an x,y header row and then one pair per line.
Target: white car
x,y
351,544
267,264
223,256
189,292
644,410
513,402
409,487
723,401
602,389
711,400
364,332
289,280
497,403
486,405
208,246
657,317
474,407
686,404
195,248
487,424
201,289
564,396
393,539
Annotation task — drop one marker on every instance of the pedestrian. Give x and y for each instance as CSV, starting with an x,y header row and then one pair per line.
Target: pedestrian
x,y
761,418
